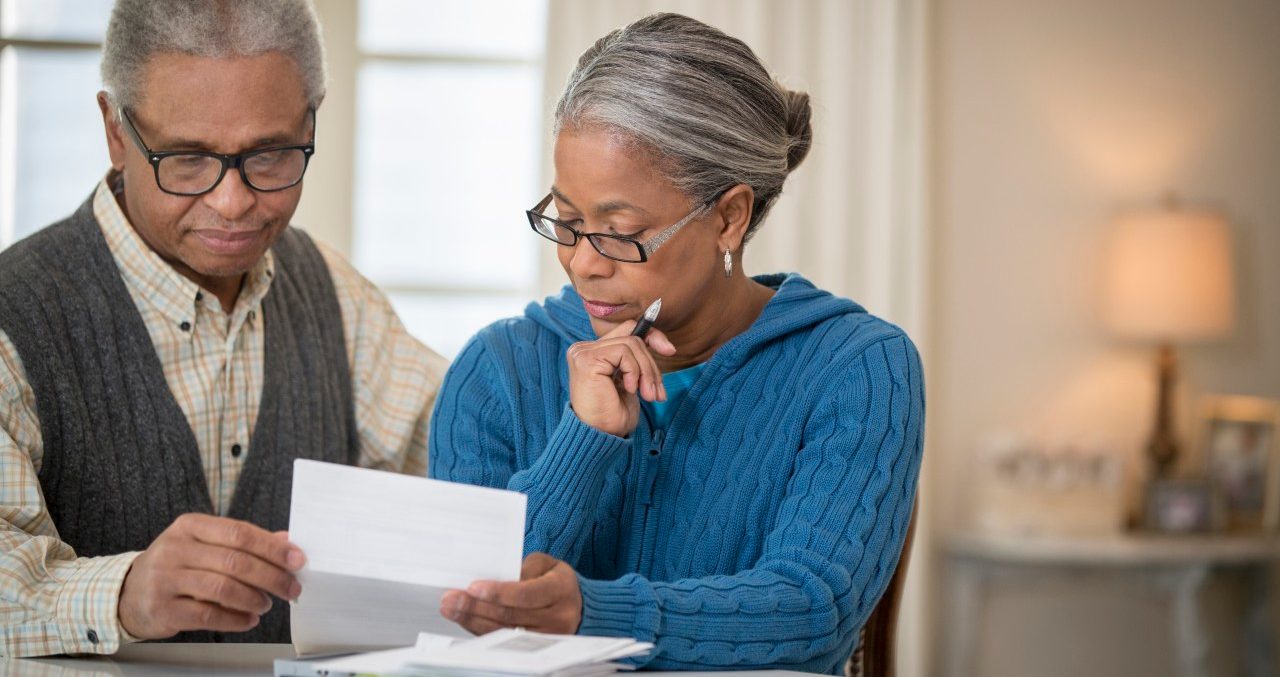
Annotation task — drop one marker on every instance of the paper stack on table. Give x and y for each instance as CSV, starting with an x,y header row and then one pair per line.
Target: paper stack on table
x,y
502,653
382,548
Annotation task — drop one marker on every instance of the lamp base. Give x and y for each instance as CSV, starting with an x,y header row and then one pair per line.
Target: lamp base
x,y
1162,448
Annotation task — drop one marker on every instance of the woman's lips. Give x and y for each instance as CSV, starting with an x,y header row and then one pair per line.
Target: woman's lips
x,y
600,309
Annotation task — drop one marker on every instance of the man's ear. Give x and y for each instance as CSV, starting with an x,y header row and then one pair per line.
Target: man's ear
x,y
113,130
734,211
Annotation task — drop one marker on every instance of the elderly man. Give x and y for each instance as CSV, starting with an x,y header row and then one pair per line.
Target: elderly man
x,y
169,350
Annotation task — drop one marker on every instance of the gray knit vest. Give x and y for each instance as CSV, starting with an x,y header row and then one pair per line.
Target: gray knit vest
x,y
120,460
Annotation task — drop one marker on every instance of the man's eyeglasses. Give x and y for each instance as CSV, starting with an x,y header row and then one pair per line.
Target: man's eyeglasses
x,y
616,247
191,172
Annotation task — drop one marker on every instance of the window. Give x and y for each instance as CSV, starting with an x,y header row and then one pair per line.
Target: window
x,y
448,141
52,150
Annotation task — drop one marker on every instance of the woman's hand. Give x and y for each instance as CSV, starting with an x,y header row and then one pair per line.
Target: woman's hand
x,y
607,402
546,599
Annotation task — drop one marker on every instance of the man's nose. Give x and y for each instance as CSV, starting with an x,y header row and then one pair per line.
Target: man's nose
x,y
232,197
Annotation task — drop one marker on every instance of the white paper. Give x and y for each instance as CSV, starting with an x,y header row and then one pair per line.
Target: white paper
x,y
501,652
382,548
517,652
386,662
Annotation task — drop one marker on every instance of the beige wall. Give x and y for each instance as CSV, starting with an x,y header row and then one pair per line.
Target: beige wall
x,y
326,206
1048,116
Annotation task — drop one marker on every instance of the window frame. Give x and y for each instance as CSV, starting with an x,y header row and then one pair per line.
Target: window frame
x,y
8,118
360,57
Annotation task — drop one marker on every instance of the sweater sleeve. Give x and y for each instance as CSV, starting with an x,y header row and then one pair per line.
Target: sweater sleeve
x,y
827,558
473,440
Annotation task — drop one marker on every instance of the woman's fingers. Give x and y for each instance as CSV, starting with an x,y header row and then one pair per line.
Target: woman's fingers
x,y
659,343
650,373
605,374
630,357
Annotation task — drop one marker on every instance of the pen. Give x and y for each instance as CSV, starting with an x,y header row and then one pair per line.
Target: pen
x,y
642,327
650,316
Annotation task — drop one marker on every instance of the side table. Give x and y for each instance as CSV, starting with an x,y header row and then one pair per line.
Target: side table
x,y
1177,565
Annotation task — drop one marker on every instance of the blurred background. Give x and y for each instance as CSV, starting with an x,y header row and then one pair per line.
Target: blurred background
x,y
1072,207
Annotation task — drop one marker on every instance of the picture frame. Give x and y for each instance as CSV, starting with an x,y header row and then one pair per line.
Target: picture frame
x,y
1240,447
1182,506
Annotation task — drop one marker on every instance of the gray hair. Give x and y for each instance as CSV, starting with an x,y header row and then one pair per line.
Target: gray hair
x,y
699,100
209,28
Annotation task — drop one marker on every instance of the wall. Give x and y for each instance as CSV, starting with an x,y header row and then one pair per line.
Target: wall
x,y
1047,118
326,209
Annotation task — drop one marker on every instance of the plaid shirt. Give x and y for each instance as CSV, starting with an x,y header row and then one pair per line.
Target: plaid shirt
x,y
52,601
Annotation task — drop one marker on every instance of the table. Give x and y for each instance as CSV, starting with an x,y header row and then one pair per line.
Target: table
x,y
1177,565
206,660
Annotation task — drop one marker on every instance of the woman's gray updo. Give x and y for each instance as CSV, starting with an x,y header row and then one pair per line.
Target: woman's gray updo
x,y
699,100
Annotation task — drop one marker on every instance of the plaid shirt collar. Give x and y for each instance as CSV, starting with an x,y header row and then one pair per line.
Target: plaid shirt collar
x,y
149,277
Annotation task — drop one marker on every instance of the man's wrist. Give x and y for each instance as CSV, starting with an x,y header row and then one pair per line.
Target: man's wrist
x,y
125,636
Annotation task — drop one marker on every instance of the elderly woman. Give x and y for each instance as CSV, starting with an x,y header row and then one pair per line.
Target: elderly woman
x,y
735,486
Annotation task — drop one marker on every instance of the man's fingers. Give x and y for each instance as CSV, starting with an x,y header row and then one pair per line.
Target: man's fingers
x,y
245,568
227,592
191,614
244,536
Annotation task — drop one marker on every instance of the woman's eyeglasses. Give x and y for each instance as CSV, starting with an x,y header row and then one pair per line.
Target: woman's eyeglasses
x,y
616,247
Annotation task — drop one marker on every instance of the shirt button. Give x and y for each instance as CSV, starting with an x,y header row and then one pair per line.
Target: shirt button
x,y
92,636
235,451
199,296
185,326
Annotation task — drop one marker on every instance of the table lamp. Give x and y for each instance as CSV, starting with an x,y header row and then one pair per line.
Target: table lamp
x,y
1169,282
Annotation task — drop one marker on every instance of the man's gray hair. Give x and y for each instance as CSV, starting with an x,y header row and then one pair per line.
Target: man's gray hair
x,y
209,28
698,100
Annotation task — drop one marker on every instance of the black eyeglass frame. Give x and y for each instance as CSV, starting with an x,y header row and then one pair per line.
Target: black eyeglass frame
x,y
646,248
235,161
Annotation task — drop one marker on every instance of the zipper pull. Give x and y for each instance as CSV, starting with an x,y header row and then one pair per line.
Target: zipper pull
x,y
651,468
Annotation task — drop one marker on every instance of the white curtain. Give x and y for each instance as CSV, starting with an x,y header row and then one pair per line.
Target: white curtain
x,y
851,218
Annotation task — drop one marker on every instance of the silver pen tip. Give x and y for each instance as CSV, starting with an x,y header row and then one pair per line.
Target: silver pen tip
x,y
651,313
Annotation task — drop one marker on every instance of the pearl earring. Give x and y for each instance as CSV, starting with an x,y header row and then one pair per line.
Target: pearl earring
x,y
728,263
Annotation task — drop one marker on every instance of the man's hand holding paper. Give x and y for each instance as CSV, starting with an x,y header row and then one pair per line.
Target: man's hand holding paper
x,y
207,572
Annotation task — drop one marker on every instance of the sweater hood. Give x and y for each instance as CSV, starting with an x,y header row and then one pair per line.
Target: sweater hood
x,y
796,306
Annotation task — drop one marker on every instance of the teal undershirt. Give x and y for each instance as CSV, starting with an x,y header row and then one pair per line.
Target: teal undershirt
x,y
677,384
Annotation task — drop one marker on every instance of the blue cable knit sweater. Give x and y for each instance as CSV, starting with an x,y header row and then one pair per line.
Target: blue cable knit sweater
x,y
759,529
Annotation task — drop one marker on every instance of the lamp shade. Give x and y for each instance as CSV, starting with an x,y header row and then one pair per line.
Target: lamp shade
x,y
1170,277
